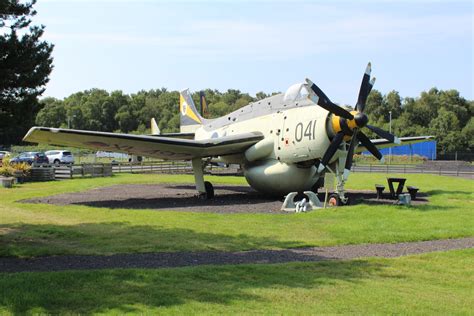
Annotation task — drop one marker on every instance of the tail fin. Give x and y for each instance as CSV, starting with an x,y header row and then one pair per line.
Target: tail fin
x,y
155,130
204,108
190,118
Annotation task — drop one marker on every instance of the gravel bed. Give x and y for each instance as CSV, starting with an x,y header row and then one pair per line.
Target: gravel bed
x,y
182,259
228,199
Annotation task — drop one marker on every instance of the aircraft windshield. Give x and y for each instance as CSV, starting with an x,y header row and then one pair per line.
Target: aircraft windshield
x,y
296,92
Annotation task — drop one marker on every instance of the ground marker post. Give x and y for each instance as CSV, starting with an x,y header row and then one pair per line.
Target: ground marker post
x,y
328,185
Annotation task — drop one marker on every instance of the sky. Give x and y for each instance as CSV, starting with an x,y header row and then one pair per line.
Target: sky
x,y
259,45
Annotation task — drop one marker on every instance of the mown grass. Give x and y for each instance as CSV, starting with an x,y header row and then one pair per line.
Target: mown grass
x,y
40,229
436,283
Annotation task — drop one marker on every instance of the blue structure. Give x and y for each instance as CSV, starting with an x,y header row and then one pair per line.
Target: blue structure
x,y
425,149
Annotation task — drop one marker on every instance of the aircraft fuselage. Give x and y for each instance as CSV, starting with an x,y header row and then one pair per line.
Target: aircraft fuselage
x,y
295,132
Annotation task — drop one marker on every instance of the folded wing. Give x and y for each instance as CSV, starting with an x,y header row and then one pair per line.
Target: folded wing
x,y
383,143
142,145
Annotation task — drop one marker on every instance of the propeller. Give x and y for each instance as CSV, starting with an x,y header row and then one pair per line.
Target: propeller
x,y
350,153
384,134
323,101
364,89
370,146
335,143
348,125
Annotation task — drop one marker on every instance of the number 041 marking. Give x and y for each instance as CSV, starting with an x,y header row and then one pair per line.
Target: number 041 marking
x,y
302,132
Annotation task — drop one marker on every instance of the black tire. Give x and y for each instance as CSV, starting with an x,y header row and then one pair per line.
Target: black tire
x,y
334,200
57,162
209,190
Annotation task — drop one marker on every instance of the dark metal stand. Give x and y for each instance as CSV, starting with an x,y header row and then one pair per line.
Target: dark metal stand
x,y
401,182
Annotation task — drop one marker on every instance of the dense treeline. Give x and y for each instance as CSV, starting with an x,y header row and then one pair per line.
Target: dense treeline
x,y
444,114
103,111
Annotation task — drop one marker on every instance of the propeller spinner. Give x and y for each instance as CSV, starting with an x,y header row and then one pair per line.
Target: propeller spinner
x,y
348,125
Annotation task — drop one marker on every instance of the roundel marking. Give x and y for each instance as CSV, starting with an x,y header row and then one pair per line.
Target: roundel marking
x,y
184,108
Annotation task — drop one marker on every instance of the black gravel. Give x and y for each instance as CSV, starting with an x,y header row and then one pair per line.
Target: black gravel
x,y
165,197
182,259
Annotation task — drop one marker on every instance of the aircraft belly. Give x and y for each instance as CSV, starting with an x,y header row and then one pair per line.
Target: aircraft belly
x,y
276,178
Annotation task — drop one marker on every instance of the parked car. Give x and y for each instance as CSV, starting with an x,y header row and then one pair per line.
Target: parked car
x,y
60,156
3,154
30,158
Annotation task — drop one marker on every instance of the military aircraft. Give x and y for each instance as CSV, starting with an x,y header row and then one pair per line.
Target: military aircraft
x,y
284,143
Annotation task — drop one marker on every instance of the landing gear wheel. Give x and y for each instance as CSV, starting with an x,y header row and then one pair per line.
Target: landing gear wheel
x,y
334,200
209,191
347,202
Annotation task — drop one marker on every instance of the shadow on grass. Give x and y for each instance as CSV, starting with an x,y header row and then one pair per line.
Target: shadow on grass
x,y
448,192
116,237
430,207
122,291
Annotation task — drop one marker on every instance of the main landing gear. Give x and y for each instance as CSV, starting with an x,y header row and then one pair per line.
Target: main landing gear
x,y
336,172
205,188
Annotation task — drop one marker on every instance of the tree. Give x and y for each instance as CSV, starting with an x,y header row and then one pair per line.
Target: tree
x,y
393,103
25,64
261,95
446,129
52,114
467,136
373,106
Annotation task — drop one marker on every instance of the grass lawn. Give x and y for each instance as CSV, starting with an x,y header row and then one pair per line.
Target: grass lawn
x,y
435,283
41,229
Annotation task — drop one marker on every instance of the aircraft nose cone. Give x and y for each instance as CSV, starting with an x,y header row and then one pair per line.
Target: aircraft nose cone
x,y
361,119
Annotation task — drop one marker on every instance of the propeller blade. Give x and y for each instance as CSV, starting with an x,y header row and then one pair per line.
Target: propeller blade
x,y
370,147
350,154
364,89
371,85
384,134
323,101
337,140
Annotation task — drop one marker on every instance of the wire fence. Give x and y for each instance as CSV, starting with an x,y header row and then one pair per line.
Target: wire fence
x,y
185,167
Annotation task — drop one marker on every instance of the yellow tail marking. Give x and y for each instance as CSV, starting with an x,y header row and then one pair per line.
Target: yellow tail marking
x,y
186,110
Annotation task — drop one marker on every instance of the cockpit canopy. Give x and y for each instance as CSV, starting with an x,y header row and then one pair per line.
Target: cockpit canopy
x,y
296,92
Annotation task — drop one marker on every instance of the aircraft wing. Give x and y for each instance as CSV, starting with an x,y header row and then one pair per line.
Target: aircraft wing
x,y
143,145
176,135
383,143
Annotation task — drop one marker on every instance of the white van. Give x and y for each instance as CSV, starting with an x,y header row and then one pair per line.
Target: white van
x,y
60,156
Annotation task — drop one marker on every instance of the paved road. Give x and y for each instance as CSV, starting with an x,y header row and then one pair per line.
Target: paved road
x,y
181,259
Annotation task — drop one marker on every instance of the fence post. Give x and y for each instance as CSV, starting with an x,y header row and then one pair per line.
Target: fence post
x,y
439,170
